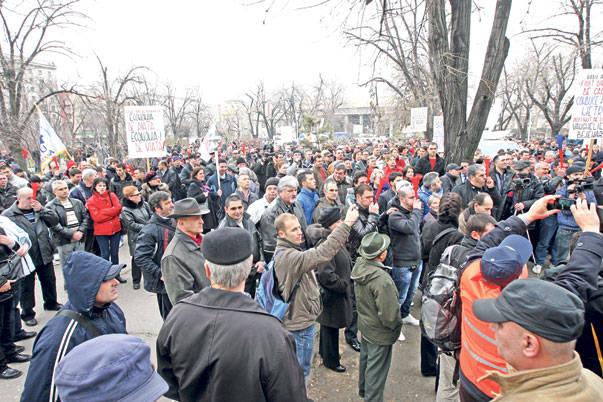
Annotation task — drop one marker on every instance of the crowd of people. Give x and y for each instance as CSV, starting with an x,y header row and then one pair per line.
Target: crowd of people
x,y
349,235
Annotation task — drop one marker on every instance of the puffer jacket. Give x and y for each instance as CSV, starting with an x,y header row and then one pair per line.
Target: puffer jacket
x,y
84,273
61,234
404,228
42,249
104,211
152,242
291,265
135,216
379,318
266,224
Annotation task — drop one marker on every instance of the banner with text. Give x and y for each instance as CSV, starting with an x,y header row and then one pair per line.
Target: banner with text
x,y
587,111
418,119
145,131
438,132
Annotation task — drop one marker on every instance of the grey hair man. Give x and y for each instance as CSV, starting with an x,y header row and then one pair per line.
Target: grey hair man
x,y
284,203
477,182
223,312
69,233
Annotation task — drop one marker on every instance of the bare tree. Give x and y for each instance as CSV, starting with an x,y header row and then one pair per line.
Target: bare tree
x,y
449,39
516,103
27,29
581,38
177,108
109,98
200,115
269,109
555,74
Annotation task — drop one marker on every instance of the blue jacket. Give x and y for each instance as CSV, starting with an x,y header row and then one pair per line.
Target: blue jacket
x,y
84,274
307,200
424,195
228,185
81,192
565,219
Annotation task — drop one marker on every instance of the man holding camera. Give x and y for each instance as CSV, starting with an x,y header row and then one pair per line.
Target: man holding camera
x,y
575,187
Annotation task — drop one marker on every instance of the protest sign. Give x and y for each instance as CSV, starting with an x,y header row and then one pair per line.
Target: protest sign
x,y
418,119
438,131
145,131
587,111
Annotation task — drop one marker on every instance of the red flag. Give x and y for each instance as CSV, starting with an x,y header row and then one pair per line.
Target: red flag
x,y
487,163
25,153
561,157
35,187
416,179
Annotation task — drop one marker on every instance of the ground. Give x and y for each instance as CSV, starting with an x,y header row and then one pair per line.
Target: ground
x,y
405,382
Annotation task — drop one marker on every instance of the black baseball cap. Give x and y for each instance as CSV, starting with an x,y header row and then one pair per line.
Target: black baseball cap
x,y
541,307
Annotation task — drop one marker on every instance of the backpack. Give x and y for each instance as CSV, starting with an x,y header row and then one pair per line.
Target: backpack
x,y
441,309
269,297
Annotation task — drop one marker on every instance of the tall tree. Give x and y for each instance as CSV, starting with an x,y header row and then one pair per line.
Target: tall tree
x,y
449,39
28,28
177,108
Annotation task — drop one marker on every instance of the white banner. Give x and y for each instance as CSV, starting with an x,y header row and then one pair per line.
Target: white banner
x,y
587,111
438,132
145,131
50,143
209,143
418,119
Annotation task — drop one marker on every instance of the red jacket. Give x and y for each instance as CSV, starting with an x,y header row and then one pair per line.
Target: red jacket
x,y
104,210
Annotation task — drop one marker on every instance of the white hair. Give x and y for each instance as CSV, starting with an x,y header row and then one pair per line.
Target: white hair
x,y
402,184
88,173
230,276
287,181
57,183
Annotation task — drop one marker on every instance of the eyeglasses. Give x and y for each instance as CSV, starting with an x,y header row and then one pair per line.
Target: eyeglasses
x,y
134,195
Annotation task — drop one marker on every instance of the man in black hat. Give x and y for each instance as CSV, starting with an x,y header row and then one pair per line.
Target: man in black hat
x,y
251,356
182,260
536,324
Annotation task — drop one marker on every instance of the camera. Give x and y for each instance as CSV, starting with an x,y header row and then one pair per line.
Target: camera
x,y
521,182
562,203
581,185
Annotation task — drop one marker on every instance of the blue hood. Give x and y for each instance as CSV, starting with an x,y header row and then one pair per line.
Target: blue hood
x,y
84,273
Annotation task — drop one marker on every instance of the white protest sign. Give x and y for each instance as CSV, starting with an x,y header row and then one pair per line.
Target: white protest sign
x,y
587,111
438,131
145,131
418,119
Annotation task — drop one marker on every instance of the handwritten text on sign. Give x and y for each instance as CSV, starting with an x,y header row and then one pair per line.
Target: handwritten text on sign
x,y
145,131
587,111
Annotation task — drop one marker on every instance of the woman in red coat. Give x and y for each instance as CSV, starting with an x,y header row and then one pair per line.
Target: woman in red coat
x,y
104,209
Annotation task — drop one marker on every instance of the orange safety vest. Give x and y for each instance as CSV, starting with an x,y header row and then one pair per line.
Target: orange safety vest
x,y
479,354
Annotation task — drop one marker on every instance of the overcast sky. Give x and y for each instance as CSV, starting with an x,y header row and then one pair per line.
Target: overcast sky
x,y
224,47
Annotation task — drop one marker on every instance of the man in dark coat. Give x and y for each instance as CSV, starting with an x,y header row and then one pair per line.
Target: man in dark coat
x,y
236,217
152,242
170,176
196,370
432,162
92,290
477,182
334,279
8,193
120,180
36,220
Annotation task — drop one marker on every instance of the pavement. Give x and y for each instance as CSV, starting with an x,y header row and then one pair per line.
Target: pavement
x,y
404,383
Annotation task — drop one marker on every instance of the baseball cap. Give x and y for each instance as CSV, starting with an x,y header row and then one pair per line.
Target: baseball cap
x,y
504,263
452,166
115,367
541,307
113,272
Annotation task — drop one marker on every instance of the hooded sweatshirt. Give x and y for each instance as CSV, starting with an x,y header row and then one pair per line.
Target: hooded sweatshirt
x,y
84,273
379,318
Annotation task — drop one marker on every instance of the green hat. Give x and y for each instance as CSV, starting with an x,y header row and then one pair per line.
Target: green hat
x,y
373,244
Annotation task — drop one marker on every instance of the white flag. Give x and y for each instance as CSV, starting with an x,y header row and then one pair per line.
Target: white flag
x,y
208,144
50,143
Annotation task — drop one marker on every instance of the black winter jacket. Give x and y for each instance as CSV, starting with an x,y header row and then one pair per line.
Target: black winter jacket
x,y
117,185
365,224
232,367
134,217
42,248
8,195
152,241
61,234
335,282
468,191
526,194
423,166
404,228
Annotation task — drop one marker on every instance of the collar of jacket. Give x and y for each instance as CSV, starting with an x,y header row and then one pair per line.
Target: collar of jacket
x,y
284,207
158,220
536,379
311,193
468,242
233,224
284,243
187,240
395,202
225,300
